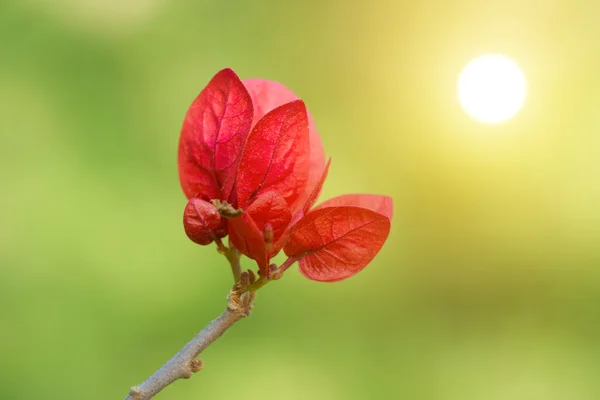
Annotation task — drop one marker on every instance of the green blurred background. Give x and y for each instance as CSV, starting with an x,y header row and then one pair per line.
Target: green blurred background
x,y
488,287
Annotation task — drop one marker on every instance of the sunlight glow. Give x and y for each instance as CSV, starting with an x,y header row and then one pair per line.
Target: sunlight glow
x,y
492,88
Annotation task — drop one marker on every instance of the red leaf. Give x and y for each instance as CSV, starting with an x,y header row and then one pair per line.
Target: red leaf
x,y
268,95
258,232
202,222
276,156
270,208
380,204
213,135
249,240
335,243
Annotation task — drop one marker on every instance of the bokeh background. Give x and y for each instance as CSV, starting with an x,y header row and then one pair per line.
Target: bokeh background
x,y
487,289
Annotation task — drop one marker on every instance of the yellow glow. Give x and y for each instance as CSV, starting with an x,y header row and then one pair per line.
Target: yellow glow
x,y
492,88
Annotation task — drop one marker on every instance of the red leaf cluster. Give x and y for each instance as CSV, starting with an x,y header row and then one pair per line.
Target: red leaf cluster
x,y
254,145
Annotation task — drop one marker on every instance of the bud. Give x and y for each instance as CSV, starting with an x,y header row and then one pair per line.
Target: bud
x,y
252,276
244,279
202,222
273,274
268,234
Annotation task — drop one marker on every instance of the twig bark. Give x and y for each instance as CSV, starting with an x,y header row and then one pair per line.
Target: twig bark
x,y
185,363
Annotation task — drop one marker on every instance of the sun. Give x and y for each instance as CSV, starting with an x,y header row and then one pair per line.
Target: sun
x,y
492,88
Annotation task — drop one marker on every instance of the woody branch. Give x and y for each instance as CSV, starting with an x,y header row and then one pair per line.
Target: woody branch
x,y
183,364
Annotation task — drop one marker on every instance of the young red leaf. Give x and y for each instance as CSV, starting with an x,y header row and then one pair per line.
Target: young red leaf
x,y
268,95
335,243
276,156
257,234
202,222
380,204
249,240
212,137
270,208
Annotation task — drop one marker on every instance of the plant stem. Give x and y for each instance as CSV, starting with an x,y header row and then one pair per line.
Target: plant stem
x,y
233,256
260,282
183,364
286,264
